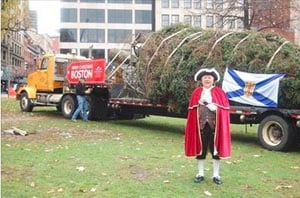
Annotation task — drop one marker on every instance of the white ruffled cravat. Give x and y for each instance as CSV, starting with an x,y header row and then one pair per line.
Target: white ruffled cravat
x,y
206,99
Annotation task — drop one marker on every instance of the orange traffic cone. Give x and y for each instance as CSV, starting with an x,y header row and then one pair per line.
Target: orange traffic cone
x,y
11,92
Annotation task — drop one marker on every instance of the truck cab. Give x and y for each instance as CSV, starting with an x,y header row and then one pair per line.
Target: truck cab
x,y
52,84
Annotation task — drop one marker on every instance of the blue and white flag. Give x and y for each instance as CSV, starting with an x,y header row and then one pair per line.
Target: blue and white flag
x,y
250,88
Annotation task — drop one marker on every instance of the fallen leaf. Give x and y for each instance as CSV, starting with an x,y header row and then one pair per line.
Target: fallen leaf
x,y
80,168
32,184
60,190
295,167
207,193
51,191
82,190
285,186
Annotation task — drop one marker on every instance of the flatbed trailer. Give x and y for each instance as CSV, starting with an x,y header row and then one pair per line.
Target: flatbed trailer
x,y
53,84
278,129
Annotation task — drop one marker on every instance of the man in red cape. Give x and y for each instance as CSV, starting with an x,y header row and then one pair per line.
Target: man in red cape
x,y
208,124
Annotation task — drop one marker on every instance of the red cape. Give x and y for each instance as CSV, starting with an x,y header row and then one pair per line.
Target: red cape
x,y
193,142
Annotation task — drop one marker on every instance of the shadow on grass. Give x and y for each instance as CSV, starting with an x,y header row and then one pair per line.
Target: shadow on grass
x,y
245,138
158,127
152,126
48,113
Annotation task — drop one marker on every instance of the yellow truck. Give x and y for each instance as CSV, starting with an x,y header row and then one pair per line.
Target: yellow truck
x,y
52,84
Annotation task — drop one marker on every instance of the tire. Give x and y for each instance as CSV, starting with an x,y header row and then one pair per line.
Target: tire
x,y
98,109
68,106
25,103
275,133
58,108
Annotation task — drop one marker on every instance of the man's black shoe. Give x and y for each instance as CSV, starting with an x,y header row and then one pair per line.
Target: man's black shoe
x,y
198,179
217,180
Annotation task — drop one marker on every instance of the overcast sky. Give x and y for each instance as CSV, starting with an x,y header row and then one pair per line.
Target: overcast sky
x,y
48,15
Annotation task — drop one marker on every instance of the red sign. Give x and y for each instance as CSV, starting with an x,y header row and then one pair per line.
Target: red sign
x,y
93,71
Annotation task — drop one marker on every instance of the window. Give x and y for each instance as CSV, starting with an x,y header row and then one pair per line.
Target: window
x,y
93,1
44,63
240,2
187,19
119,16
65,51
175,3
197,4
219,21
219,4
175,19
209,21
165,4
187,4
119,36
120,1
92,36
143,17
68,15
143,1
142,31
197,21
95,53
240,24
4,55
68,35
92,16
165,20
231,23
209,4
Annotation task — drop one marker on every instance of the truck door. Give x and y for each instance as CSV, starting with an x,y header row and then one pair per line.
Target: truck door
x,y
42,75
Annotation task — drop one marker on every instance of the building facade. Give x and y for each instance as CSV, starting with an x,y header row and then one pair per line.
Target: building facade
x,y
281,17
206,14
92,27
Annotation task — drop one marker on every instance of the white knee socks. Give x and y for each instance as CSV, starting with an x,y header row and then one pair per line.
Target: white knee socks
x,y
201,167
216,168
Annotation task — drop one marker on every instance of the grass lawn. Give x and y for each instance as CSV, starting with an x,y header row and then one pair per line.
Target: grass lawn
x,y
133,158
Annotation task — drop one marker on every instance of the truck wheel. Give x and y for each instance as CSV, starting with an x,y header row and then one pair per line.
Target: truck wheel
x,y
275,133
58,108
25,103
68,106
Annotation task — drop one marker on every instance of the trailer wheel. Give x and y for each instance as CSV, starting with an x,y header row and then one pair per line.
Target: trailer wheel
x,y
68,106
97,108
275,133
25,103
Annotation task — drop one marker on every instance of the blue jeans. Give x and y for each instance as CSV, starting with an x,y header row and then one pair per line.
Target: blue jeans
x,y
82,107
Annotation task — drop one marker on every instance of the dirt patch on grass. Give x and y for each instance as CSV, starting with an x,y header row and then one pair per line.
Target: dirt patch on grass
x,y
49,126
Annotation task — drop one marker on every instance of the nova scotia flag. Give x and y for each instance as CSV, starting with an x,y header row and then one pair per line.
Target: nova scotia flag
x,y
250,88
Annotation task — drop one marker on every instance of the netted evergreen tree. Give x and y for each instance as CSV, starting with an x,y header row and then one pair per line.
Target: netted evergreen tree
x,y
169,59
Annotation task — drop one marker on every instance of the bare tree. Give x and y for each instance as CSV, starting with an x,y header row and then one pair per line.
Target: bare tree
x,y
259,14
14,17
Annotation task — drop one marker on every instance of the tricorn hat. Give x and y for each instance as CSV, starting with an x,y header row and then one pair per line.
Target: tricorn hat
x,y
213,72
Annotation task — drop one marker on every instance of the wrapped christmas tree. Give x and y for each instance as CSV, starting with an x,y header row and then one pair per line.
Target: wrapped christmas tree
x,y
168,60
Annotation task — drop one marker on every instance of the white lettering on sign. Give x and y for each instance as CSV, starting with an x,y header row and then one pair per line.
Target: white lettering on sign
x,y
84,73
